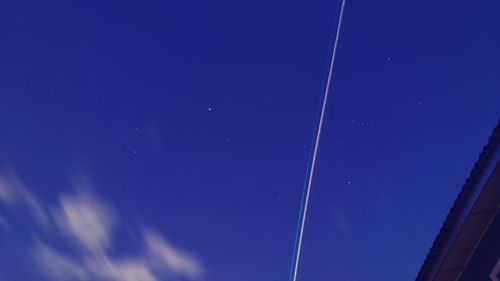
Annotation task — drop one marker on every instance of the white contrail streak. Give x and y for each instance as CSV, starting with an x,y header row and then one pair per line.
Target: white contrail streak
x,y
316,144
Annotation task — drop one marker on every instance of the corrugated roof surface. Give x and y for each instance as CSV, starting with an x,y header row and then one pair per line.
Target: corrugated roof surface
x,y
462,198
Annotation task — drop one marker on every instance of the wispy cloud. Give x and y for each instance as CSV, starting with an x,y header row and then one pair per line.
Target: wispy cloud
x,y
83,219
124,269
87,220
177,261
3,223
13,192
56,265
156,138
340,220
90,267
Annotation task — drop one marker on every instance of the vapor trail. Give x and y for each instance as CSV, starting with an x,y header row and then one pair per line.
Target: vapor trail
x,y
316,144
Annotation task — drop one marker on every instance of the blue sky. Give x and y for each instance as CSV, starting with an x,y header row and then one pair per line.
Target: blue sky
x,y
169,140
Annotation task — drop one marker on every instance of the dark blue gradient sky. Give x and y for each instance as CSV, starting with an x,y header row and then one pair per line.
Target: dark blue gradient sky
x,y
195,118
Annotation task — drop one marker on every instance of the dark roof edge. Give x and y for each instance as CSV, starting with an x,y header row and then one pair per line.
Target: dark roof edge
x,y
453,220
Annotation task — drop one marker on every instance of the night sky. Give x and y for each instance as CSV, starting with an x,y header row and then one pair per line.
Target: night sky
x,y
169,140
